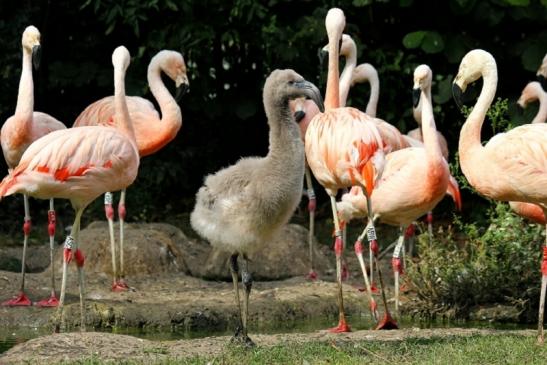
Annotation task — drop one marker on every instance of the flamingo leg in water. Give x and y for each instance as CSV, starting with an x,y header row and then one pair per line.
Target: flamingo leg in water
x,y
21,299
359,252
338,249
69,246
52,301
121,218
240,335
312,204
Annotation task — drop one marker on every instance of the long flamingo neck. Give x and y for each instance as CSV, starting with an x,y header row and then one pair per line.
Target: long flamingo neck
x,y
470,135
417,111
429,129
171,117
345,77
372,104
284,135
332,95
25,97
120,106
541,116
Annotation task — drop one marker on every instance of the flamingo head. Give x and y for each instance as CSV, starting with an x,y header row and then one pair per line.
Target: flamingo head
x,y
542,73
121,58
286,85
422,81
365,72
529,94
335,22
172,63
31,43
473,65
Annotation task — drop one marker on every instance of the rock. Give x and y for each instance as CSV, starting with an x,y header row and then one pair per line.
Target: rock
x,y
148,248
286,256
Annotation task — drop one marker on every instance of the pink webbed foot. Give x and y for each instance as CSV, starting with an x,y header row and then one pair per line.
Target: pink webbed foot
x,y
387,323
342,327
52,301
312,275
19,301
119,286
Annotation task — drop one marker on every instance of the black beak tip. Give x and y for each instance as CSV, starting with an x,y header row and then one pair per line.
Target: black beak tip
x,y
416,97
543,81
457,94
299,115
181,91
36,56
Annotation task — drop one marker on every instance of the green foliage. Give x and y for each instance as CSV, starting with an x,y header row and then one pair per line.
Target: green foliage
x,y
479,264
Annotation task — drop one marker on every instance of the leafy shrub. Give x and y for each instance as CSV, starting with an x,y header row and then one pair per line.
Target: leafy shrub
x,y
476,265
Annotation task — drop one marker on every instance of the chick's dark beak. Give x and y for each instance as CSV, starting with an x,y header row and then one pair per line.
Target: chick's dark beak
x,y
457,94
36,56
183,89
416,97
311,92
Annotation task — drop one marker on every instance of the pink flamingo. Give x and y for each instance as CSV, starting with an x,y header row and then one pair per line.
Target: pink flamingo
x,y
365,72
80,164
532,92
304,110
343,148
395,201
151,131
17,133
512,166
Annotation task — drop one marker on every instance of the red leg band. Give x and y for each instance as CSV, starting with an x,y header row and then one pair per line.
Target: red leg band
x,y
67,254
338,246
358,247
312,204
51,219
79,258
397,265
410,231
121,211
109,211
544,262
374,247
429,217
26,227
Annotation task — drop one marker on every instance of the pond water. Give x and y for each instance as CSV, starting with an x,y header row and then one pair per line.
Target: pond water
x,y
10,337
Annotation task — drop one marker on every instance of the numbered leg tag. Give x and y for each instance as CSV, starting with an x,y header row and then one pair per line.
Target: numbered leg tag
x,y
311,194
69,243
108,198
371,234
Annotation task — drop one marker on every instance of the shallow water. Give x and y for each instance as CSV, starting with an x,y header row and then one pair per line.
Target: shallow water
x,y
10,337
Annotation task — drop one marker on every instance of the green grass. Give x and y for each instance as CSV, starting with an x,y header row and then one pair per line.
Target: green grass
x,y
492,349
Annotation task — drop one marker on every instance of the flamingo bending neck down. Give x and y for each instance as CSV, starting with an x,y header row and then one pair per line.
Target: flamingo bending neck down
x,y
80,164
395,201
240,208
17,134
512,166
343,148
542,73
365,72
533,91
151,133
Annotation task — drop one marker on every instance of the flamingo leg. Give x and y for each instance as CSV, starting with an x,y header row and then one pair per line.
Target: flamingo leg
x,y
247,281
79,258
240,335
21,299
359,252
109,212
397,266
52,301
338,249
430,226
541,337
69,245
312,204
121,218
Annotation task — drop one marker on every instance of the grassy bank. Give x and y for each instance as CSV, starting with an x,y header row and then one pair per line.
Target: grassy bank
x,y
478,349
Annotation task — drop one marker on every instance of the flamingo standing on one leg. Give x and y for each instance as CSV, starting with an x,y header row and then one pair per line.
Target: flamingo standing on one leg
x,y
512,166
532,92
240,208
151,132
343,148
80,164
395,201
17,133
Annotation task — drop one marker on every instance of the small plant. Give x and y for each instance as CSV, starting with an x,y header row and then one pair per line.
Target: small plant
x,y
476,265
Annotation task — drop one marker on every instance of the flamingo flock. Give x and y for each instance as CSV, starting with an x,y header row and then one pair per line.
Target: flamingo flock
x,y
391,177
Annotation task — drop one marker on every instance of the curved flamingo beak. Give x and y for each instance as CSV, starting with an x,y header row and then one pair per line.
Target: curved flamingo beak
x,y
312,92
299,115
183,87
416,97
36,56
457,94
